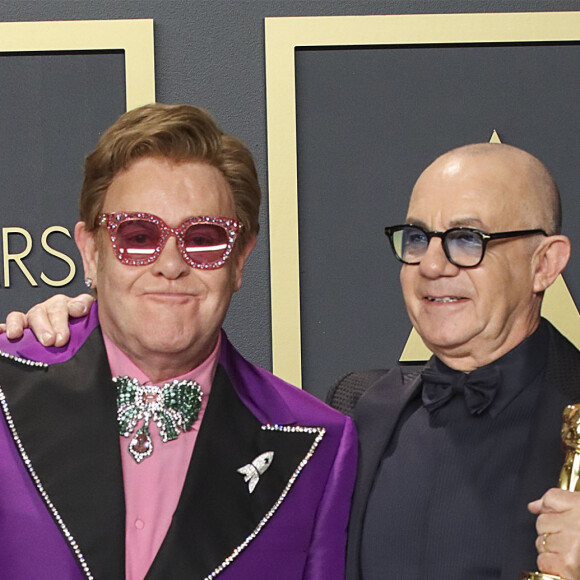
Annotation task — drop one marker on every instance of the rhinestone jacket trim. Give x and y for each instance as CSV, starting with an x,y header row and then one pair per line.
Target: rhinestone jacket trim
x,y
57,517
24,361
286,429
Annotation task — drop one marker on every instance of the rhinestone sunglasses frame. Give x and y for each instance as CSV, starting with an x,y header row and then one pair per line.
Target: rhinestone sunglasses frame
x,y
113,220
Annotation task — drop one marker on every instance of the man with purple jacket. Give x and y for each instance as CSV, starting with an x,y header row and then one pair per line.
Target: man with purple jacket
x,y
148,447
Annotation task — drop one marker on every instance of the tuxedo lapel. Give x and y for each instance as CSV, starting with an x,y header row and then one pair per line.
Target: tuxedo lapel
x,y
217,516
65,418
376,417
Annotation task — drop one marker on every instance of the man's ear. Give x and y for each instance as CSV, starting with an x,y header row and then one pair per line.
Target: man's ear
x,y
87,244
550,260
239,257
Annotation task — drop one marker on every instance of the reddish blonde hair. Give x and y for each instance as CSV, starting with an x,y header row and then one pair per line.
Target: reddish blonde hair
x,y
180,133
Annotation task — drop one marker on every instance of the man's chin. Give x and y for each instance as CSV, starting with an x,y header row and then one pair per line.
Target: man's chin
x,y
445,337
165,342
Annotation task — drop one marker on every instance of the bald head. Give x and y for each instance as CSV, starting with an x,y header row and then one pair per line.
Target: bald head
x,y
535,192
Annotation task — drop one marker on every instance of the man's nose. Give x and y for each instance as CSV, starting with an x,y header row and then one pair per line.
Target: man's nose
x,y
171,262
435,263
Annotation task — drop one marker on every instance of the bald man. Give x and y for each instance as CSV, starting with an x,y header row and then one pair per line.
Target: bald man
x,y
450,456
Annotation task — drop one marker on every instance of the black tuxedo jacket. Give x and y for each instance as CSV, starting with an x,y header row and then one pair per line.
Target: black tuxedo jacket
x,y
376,399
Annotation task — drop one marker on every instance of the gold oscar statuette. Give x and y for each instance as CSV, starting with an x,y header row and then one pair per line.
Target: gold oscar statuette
x,y
570,474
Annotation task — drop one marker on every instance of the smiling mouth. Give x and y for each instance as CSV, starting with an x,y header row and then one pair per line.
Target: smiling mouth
x,y
444,299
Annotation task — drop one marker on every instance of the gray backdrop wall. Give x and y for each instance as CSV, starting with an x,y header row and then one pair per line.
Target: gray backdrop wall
x,y
211,53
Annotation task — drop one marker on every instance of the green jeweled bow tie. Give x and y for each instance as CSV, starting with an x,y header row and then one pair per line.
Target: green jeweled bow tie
x,y
174,407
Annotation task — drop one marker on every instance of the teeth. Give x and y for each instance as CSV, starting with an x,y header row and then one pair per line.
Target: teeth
x,y
445,299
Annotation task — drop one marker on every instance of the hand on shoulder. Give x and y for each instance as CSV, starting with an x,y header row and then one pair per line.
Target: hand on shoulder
x,y
49,319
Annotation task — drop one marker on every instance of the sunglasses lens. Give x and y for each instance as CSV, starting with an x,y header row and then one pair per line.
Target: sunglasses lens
x,y
410,244
137,239
205,243
465,247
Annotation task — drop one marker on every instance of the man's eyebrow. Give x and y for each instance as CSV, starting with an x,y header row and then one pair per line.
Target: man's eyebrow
x,y
467,221
471,222
416,222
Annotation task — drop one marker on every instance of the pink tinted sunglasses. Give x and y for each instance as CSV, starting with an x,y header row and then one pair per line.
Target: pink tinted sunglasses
x,y
138,238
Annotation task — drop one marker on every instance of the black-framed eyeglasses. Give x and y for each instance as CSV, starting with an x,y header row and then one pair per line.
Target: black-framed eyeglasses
x,y
463,246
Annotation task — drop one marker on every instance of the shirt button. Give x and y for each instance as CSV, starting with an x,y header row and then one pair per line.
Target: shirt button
x,y
139,524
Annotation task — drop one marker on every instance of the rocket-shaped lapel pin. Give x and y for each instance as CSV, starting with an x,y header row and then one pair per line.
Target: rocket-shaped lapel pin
x,y
257,467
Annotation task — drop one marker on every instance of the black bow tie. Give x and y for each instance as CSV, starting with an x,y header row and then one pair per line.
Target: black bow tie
x,y
479,388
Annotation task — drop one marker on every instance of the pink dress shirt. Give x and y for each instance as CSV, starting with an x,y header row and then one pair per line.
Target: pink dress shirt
x,y
153,487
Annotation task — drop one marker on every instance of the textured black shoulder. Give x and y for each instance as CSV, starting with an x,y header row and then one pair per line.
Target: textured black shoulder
x,y
347,391
563,370
344,395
